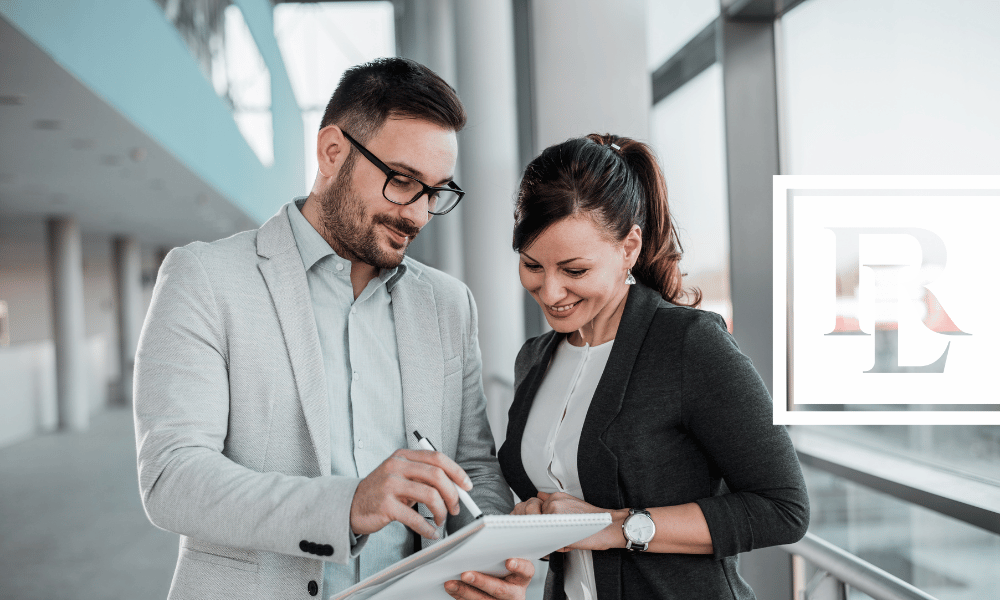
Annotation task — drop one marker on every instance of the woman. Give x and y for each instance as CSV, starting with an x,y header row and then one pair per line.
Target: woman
x,y
636,403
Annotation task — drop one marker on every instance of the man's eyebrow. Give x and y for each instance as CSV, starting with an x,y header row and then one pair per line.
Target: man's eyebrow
x,y
405,168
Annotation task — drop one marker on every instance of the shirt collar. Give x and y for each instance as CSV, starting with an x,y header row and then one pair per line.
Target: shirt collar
x,y
313,248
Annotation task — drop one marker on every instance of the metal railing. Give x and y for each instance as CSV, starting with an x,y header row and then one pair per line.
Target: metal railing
x,y
966,498
837,569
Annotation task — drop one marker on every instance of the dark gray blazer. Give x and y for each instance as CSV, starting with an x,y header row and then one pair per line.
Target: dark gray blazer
x,y
680,415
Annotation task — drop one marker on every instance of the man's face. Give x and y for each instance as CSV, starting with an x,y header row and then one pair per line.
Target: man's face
x,y
361,223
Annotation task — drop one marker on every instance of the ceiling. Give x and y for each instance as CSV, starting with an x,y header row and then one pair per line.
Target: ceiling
x,y
65,152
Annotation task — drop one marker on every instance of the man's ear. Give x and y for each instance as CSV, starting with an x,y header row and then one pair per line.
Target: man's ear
x,y
332,149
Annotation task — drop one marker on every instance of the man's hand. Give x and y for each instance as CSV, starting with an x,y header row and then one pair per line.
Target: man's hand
x,y
405,478
476,586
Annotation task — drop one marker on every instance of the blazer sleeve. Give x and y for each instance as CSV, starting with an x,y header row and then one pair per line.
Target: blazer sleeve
x,y
476,452
729,411
187,484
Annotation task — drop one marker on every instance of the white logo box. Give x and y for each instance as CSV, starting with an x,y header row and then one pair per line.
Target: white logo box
x,y
886,292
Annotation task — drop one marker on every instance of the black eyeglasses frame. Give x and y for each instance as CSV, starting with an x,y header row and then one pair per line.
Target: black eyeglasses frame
x,y
390,173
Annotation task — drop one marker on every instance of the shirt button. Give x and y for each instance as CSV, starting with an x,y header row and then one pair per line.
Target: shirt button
x,y
355,376
312,588
353,310
340,266
361,443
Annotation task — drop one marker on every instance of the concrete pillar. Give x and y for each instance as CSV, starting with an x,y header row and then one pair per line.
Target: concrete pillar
x,y
749,77
490,172
589,69
66,268
752,158
426,34
128,286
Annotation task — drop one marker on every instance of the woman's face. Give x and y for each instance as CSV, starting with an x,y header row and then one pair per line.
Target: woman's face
x,y
577,274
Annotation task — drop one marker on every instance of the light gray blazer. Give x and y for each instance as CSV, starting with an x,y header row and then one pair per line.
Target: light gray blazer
x,y
231,412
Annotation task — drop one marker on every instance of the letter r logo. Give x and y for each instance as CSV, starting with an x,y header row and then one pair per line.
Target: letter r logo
x,y
935,318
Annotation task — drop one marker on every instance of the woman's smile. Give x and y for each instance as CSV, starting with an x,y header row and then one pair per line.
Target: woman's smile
x,y
563,309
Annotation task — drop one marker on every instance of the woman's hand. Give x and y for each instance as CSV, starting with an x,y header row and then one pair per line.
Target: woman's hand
x,y
531,506
680,529
561,503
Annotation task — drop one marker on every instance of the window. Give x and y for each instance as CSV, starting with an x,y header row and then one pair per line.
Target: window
x,y
689,137
220,40
318,43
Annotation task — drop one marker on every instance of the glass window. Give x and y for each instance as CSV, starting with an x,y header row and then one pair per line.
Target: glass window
x,y
887,87
672,23
243,80
883,87
318,43
948,559
880,87
220,40
689,136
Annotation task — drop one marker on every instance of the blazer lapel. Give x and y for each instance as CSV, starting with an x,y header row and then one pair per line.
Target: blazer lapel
x,y
421,358
600,486
520,408
282,268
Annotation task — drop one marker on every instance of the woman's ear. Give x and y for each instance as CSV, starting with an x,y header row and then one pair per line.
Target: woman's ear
x,y
632,245
331,150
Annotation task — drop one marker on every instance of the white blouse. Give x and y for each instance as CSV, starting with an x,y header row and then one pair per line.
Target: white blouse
x,y
552,437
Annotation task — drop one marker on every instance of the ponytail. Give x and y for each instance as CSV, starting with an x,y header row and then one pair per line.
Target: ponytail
x,y
658,265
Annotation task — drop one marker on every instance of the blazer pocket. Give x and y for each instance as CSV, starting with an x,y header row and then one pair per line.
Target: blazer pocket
x,y
222,561
452,366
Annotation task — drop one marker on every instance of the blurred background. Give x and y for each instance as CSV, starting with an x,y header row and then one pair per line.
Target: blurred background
x,y
128,127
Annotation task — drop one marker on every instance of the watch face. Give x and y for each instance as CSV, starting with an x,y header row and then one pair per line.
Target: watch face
x,y
639,528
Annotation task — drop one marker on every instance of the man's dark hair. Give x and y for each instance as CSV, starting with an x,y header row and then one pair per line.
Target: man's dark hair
x,y
369,94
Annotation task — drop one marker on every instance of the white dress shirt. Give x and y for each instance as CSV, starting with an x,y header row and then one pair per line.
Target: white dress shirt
x,y
552,438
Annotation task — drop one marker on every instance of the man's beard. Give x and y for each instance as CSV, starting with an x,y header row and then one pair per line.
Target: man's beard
x,y
350,231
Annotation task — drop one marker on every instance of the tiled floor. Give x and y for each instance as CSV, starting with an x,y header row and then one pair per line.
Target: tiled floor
x,y
71,522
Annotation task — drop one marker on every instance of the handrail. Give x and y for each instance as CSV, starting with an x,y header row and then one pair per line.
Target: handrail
x,y
972,500
853,571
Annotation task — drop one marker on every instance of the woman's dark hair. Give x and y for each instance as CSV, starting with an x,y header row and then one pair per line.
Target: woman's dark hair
x,y
617,188
369,94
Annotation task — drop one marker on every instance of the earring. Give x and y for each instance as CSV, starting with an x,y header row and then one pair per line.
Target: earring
x,y
629,280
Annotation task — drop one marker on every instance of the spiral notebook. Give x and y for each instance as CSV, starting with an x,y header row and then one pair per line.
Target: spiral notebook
x,y
483,545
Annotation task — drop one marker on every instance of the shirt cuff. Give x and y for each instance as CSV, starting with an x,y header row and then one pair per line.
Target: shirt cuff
x,y
357,543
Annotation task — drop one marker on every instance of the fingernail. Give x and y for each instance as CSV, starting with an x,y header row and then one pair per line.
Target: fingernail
x,y
467,484
468,577
451,586
435,535
514,564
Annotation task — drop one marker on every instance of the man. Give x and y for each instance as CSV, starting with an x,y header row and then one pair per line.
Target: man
x,y
281,372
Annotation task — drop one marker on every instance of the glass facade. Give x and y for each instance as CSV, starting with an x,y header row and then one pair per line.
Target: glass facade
x,y
672,23
318,43
221,42
689,136
867,87
946,558
882,87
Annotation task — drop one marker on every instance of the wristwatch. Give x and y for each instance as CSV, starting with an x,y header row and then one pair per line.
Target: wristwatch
x,y
638,529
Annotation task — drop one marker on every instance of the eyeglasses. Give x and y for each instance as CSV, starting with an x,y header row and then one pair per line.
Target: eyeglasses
x,y
404,189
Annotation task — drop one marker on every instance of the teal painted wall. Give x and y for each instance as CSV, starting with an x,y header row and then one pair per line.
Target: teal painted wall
x,y
127,52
